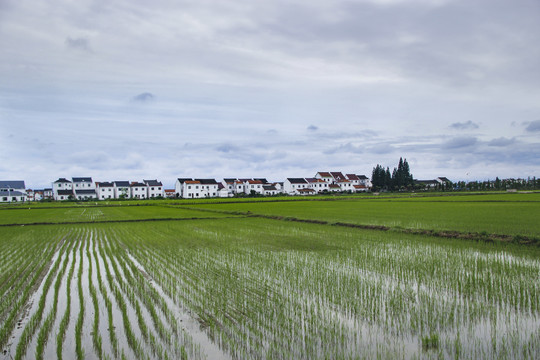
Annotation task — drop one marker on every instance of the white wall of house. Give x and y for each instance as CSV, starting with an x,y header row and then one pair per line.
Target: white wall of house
x,y
139,191
255,186
156,191
106,192
192,190
61,185
122,192
292,188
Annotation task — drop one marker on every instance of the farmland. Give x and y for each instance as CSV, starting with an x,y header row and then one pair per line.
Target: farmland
x,y
213,281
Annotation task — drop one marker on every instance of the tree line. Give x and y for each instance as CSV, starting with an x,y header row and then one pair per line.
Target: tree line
x,y
399,179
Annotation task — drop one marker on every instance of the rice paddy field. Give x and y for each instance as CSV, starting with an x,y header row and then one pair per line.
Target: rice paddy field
x,y
218,281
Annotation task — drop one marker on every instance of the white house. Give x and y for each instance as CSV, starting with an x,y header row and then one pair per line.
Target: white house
x,y
228,184
345,185
62,189
292,185
138,190
48,193
12,190
255,186
319,185
155,188
325,176
105,190
122,190
179,186
84,188
270,190
240,186
209,187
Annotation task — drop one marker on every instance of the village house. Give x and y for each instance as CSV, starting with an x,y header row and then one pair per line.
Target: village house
x,y
318,184
155,188
12,191
170,193
48,194
84,188
253,187
292,185
105,190
122,189
270,190
179,186
228,184
138,190
62,189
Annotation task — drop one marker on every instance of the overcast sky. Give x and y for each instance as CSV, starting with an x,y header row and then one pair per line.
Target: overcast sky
x,y
132,90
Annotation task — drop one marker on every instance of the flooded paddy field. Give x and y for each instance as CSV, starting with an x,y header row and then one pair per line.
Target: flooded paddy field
x,y
255,288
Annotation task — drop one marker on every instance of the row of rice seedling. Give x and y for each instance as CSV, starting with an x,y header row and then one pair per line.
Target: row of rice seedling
x,y
21,284
61,333
35,320
47,325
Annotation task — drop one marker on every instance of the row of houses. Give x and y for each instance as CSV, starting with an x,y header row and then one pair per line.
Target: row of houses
x,y
84,188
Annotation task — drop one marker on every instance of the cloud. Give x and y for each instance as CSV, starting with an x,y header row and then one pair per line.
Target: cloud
x,y
345,148
144,97
226,148
502,142
464,125
312,128
534,126
460,142
78,43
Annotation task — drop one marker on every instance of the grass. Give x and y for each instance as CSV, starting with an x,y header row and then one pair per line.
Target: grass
x,y
503,214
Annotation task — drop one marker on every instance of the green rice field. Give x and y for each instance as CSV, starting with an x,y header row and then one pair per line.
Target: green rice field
x,y
235,280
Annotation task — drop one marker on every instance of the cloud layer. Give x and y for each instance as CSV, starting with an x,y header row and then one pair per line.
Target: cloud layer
x,y
270,89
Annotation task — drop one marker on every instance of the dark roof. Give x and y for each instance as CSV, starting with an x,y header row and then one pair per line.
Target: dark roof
x,y
183,180
229,180
105,184
311,180
153,182
426,181
220,186
207,181
12,184
244,180
269,187
324,174
65,192
362,177
263,180
352,177
442,178
337,175
121,183
297,180
306,190
85,192
82,179
133,184
62,180
11,193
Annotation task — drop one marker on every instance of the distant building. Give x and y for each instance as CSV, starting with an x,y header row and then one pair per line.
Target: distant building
x,y
154,188
62,189
12,191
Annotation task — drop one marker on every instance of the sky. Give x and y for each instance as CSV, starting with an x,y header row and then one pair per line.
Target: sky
x,y
132,89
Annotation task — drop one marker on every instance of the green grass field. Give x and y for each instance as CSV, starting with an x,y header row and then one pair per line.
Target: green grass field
x,y
512,214
192,284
